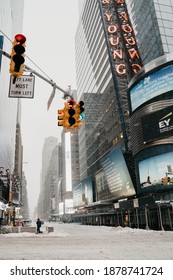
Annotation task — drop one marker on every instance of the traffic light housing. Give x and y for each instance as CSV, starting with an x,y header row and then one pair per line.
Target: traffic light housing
x,y
79,107
63,116
70,117
169,181
79,115
166,181
17,56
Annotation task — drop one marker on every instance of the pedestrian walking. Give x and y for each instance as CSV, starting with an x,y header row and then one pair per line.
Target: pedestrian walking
x,y
38,225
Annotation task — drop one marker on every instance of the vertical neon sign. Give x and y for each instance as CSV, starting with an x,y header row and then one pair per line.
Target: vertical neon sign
x,y
121,38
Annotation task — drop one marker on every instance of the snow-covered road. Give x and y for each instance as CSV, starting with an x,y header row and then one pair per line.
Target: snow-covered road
x,y
79,242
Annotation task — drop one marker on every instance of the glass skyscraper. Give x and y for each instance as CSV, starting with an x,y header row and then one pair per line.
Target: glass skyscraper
x,y
96,81
92,59
153,29
153,25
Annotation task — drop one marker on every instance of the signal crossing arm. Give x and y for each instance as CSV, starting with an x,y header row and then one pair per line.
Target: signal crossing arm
x,y
51,82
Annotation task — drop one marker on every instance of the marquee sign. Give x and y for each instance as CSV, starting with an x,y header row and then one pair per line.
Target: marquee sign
x,y
121,37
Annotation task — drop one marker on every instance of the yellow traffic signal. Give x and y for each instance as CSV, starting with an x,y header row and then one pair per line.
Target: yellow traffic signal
x,y
70,117
60,117
164,181
79,107
64,116
169,181
17,56
79,113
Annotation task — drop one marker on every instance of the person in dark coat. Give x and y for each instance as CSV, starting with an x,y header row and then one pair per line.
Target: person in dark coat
x,y
38,225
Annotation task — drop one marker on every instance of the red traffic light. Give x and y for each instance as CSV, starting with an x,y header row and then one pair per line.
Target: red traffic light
x,y
20,38
71,102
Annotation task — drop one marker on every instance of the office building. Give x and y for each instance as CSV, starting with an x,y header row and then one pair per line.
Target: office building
x,y
104,65
151,143
95,74
153,25
11,22
43,206
24,212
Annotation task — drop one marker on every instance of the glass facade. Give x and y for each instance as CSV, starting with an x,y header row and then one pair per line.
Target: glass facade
x,y
11,17
93,72
106,105
153,24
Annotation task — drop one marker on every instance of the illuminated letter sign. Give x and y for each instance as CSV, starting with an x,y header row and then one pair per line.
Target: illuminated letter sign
x,y
108,17
124,49
105,2
114,41
112,29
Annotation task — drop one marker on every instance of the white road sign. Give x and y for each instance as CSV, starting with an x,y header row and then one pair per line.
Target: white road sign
x,y
23,87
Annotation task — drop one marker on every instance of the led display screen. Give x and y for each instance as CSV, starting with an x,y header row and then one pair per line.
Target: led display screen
x,y
118,180
83,192
153,170
151,86
158,124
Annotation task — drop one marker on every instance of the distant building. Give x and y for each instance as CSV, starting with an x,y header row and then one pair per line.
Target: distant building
x,y
43,206
24,212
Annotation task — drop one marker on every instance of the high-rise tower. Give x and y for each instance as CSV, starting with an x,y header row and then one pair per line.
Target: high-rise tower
x,y
153,26
106,58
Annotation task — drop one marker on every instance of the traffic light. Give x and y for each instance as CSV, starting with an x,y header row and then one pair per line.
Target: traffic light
x,y
17,56
65,116
169,181
164,181
79,115
70,116
79,107
71,103
62,116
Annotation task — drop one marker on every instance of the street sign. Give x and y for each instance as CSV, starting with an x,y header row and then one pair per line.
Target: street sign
x,y
23,87
135,203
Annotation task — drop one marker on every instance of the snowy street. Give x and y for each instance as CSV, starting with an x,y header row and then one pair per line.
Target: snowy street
x,y
79,242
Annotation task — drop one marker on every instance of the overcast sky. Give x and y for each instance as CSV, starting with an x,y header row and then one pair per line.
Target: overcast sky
x,y
49,27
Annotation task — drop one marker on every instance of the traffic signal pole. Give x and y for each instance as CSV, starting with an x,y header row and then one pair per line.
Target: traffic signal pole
x,y
51,82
